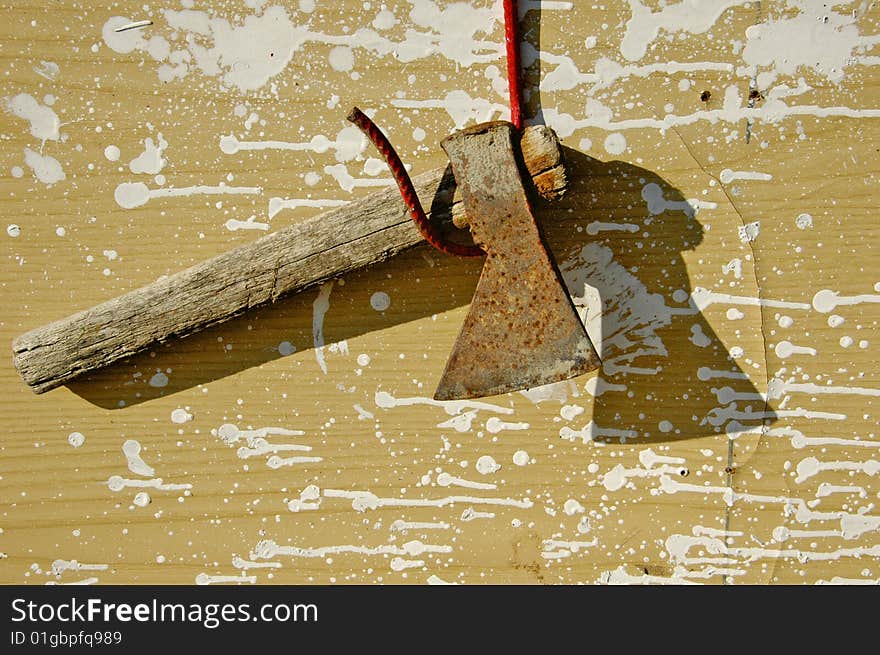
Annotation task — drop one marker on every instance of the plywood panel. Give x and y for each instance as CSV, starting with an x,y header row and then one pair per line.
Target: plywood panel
x,y
723,163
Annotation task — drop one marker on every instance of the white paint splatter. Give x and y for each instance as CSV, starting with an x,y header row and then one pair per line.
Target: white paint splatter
x,y
785,349
277,204
691,16
150,161
615,143
44,122
727,176
233,225
142,499
698,338
749,231
826,300
495,425
365,500
129,195
803,221
320,306
132,451
181,415
380,301
46,168
703,298
486,465
159,379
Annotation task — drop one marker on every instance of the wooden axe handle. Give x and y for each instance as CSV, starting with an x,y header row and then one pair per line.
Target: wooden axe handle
x,y
364,232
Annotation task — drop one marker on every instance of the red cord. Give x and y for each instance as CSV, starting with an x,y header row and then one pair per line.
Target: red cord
x,y
430,233
374,134
511,39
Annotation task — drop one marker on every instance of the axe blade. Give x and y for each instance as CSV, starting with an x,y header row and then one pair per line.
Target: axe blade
x,y
521,330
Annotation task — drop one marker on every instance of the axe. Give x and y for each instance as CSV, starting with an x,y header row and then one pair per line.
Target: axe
x,y
521,330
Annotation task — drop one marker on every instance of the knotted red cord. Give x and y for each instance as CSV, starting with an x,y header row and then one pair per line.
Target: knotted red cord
x,y
430,233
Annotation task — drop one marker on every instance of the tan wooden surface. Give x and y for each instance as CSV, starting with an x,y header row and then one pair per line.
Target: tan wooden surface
x,y
731,436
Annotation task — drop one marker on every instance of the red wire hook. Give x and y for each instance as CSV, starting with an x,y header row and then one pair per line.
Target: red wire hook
x,y
428,231
514,84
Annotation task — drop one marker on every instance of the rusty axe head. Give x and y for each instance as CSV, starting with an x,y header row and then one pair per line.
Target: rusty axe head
x,y
522,330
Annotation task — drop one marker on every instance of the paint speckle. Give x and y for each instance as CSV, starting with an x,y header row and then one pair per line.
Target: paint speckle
x,y
17,171
520,458
76,439
43,120
380,301
804,221
159,380
835,320
112,153
733,314
363,359
129,195
698,337
47,69
785,321
46,168
341,58
846,342
384,20
572,507
142,499
665,426
180,415
615,143
286,348
487,465
569,412
13,230
150,161
785,349
825,301
60,231
749,231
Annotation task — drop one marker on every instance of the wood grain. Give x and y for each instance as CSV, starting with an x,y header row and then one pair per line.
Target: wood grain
x,y
364,232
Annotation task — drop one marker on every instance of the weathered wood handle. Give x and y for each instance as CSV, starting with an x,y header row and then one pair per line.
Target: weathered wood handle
x,y
364,232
